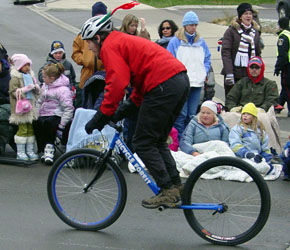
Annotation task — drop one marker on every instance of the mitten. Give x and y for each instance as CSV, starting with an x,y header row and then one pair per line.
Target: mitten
x,y
97,122
249,155
126,109
276,73
27,88
60,131
230,80
258,158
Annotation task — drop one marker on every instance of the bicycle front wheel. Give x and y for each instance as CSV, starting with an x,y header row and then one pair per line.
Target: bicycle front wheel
x,y
103,202
246,206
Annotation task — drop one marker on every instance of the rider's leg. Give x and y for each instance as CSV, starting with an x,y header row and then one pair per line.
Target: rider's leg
x,y
157,114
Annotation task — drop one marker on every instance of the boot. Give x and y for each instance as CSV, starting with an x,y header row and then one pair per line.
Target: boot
x,y
168,198
30,149
20,144
48,154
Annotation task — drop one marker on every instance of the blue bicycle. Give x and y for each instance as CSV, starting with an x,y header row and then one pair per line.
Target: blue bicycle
x,y
87,190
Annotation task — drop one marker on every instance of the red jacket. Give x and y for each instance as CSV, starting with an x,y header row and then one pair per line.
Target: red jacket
x,y
133,60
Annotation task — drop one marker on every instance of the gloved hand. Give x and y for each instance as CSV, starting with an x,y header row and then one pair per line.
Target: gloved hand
x,y
97,122
254,157
37,88
27,88
126,109
276,73
60,131
229,80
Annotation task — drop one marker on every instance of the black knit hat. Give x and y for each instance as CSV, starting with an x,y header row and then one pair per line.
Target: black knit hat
x,y
284,22
99,8
243,7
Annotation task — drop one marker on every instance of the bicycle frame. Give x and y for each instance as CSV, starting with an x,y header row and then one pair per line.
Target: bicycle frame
x,y
146,177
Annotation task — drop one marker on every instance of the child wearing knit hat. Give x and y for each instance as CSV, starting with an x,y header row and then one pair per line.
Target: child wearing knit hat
x,y
57,55
248,138
23,86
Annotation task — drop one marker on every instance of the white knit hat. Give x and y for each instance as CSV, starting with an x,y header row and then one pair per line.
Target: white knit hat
x,y
211,105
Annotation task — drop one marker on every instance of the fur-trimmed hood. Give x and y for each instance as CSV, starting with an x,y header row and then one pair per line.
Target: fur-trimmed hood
x,y
236,23
15,73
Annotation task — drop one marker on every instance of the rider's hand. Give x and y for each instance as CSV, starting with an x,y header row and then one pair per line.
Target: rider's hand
x,y
126,109
60,131
97,122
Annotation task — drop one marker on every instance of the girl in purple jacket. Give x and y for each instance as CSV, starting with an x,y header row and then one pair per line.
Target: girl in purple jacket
x,y
55,110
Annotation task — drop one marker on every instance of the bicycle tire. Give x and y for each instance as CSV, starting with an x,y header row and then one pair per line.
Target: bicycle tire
x,y
96,209
236,225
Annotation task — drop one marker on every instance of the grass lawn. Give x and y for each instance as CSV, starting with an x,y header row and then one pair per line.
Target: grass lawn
x,y
168,3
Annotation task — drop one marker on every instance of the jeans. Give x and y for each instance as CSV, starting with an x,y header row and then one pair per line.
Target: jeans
x,y
189,109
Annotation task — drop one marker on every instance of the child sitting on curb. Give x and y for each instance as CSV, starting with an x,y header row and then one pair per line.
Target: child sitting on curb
x,y
248,138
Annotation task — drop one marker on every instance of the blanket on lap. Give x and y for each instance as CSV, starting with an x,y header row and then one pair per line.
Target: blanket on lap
x,y
186,163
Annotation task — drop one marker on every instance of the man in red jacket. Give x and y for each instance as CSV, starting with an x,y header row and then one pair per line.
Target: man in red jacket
x,y
160,88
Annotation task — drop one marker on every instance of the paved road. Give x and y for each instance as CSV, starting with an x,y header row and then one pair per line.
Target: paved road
x,y
27,220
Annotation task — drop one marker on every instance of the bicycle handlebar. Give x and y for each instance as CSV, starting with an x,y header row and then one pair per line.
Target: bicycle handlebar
x,y
119,128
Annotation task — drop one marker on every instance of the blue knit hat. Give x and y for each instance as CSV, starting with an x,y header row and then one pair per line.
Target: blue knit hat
x,y
190,18
56,46
99,8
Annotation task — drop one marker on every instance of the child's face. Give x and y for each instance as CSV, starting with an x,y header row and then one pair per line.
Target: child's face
x,y
206,116
46,79
247,118
26,68
132,28
58,55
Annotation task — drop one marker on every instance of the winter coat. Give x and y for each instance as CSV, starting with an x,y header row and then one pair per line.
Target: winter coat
x,y
230,45
69,71
263,94
15,83
283,64
242,141
195,56
4,81
86,58
144,69
195,132
56,99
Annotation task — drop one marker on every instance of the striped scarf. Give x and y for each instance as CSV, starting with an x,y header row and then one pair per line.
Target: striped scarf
x,y
246,43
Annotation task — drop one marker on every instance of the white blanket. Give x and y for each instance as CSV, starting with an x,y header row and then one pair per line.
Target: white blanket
x,y
187,163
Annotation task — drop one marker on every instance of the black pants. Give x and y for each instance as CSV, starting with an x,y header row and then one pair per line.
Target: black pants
x,y
45,130
158,112
285,91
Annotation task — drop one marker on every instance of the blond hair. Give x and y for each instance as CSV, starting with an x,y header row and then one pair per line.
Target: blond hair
x,y
53,69
254,125
128,19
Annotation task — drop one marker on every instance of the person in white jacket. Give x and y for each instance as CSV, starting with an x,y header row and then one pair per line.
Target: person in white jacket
x,y
189,48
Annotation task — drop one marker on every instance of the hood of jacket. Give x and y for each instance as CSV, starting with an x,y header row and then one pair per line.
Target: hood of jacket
x,y
237,24
260,76
17,74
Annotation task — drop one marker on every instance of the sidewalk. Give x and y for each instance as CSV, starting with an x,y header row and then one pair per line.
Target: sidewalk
x,y
210,32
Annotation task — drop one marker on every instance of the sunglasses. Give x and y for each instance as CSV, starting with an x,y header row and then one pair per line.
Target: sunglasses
x,y
166,28
254,67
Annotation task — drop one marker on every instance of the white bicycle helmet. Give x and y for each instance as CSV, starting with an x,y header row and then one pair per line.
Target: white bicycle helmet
x,y
96,24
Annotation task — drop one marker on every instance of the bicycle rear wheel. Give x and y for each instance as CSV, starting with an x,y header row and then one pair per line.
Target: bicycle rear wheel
x,y
95,209
246,205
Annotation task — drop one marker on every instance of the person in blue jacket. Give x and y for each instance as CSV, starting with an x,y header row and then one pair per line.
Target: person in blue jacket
x,y
248,138
189,48
206,126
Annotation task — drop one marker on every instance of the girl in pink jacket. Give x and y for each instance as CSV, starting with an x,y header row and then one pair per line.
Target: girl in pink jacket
x,y
55,109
